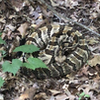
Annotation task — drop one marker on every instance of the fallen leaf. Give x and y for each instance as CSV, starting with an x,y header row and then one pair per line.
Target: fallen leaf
x,y
55,92
22,29
63,97
53,3
71,3
29,93
12,28
93,41
2,20
94,61
16,4
1,97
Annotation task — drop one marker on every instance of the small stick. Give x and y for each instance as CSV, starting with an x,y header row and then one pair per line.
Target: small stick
x,y
63,18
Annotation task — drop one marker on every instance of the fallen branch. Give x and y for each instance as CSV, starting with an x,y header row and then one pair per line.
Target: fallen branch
x,y
66,18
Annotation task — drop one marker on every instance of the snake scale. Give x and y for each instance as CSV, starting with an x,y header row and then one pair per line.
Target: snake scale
x,y
62,49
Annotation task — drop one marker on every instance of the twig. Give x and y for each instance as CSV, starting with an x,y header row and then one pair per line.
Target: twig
x,y
63,18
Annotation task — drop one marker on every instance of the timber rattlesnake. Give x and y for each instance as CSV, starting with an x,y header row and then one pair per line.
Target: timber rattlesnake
x,y
62,49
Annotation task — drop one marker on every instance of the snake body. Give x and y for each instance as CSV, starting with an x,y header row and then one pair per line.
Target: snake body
x,y
62,49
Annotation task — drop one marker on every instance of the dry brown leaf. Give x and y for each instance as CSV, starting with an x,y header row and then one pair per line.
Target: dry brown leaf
x,y
2,5
27,94
83,71
1,97
98,7
89,89
95,11
53,3
12,16
62,97
16,4
41,96
22,29
93,41
71,3
93,15
94,61
2,20
12,28
55,92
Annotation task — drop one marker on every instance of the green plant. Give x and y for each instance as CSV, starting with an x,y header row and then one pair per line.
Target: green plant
x,y
34,63
83,95
1,40
26,48
15,64
31,63
3,53
1,82
13,67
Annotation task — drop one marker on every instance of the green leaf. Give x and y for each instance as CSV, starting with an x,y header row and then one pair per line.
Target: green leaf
x,y
26,48
1,82
3,53
87,96
34,63
82,94
13,68
0,33
79,98
2,41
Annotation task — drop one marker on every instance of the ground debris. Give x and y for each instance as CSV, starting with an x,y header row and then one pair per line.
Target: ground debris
x,y
17,17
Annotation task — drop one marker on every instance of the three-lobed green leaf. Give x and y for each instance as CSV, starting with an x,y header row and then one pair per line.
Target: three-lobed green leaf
x,y
83,95
34,63
13,68
26,48
3,53
2,41
0,33
1,82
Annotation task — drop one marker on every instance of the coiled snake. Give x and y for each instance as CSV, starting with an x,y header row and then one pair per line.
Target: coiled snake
x,y
62,49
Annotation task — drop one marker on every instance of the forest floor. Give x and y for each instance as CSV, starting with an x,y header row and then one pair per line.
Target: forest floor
x,y
17,16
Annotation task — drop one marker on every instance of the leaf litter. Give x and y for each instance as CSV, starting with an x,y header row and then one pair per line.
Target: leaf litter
x,y
16,19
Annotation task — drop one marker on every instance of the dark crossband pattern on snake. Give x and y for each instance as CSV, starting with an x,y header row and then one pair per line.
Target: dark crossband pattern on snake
x,y
62,49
